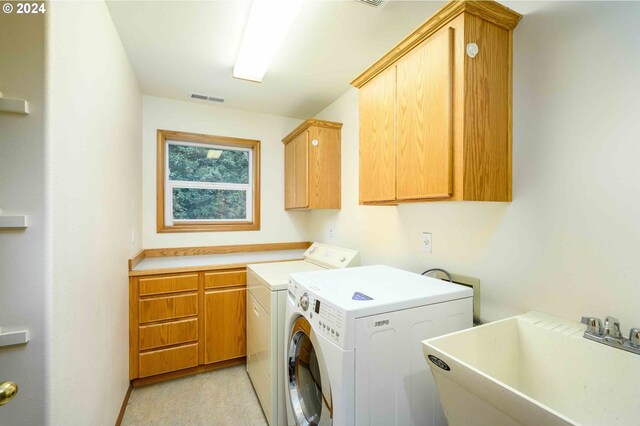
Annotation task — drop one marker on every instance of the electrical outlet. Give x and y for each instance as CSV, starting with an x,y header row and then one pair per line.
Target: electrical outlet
x,y
427,242
331,232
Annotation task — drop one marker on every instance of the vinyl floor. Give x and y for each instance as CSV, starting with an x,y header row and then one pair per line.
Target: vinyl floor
x,y
220,398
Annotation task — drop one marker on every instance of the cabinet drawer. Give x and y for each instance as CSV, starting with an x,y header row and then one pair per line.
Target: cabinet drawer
x,y
172,284
170,333
166,360
162,308
225,279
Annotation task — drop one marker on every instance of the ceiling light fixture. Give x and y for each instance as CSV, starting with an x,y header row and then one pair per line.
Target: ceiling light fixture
x,y
268,24
214,154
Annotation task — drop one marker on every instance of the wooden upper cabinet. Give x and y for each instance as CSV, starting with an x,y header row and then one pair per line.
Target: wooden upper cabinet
x,y
377,138
312,166
435,121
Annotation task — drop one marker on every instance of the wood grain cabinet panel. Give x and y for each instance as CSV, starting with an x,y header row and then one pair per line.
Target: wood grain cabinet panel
x,y
301,181
312,166
424,117
225,279
323,184
163,308
169,333
166,360
168,284
487,146
451,111
224,324
290,175
377,138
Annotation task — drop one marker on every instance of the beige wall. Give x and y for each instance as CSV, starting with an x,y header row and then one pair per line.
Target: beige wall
x,y
568,243
276,224
94,132
23,288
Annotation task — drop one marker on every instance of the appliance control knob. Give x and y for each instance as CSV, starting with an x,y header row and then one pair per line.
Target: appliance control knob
x,y
342,259
304,302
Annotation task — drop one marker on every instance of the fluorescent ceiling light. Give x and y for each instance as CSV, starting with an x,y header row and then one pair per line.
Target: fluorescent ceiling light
x,y
268,24
214,154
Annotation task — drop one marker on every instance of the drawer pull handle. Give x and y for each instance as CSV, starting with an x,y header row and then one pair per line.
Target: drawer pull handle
x,y
255,311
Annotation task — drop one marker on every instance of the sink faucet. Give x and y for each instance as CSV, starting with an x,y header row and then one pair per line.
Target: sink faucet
x,y
611,335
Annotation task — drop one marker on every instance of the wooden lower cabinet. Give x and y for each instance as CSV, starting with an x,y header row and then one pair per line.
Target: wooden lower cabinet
x,y
224,325
185,322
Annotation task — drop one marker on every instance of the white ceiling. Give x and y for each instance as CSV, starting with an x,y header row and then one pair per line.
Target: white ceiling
x,y
178,47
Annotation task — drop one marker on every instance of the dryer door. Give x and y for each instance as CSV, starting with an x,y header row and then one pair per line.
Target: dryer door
x,y
308,382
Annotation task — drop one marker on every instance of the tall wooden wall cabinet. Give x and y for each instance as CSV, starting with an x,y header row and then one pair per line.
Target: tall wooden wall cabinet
x,y
312,166
435,112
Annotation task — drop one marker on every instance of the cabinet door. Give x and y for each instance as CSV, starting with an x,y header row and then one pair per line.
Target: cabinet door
x,y
224,324
324,168
425,127
377,138
289,175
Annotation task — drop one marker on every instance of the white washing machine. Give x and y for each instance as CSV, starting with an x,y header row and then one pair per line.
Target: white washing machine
x,y
266,300
353,352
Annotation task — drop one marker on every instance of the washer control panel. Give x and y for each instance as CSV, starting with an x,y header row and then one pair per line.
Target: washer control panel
x,y
327,320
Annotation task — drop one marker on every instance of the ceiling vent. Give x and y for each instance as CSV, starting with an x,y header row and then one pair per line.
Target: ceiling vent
x,y
205,98
375,3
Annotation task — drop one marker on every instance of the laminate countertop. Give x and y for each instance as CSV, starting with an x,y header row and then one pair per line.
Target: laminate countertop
x,y
209,260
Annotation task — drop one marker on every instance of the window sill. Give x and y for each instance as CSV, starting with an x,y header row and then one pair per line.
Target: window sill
x,y
204,227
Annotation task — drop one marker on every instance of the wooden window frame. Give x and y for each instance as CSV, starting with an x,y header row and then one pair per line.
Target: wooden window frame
x,y
200,226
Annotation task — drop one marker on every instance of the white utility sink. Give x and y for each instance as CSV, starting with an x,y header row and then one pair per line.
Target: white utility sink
x,y
533,369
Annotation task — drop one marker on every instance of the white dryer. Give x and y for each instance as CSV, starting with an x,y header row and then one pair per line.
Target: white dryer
x,y
266,300
353,353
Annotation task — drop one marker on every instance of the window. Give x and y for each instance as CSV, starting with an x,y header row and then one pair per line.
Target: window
x,y
207,183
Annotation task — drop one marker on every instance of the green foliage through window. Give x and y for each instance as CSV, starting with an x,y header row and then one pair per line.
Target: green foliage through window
x,y
199,164
208,182
191,203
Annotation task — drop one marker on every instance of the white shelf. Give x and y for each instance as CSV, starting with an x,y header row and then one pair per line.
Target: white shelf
x,y
19,106
11,338
13,222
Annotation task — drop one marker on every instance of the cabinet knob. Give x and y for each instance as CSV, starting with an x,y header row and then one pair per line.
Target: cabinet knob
x,y
472,50
315,142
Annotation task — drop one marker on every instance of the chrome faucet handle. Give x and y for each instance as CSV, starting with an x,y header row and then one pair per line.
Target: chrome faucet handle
x,y
594,325
612,327
634,337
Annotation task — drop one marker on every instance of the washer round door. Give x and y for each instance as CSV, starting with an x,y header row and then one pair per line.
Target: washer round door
x,y
308,385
